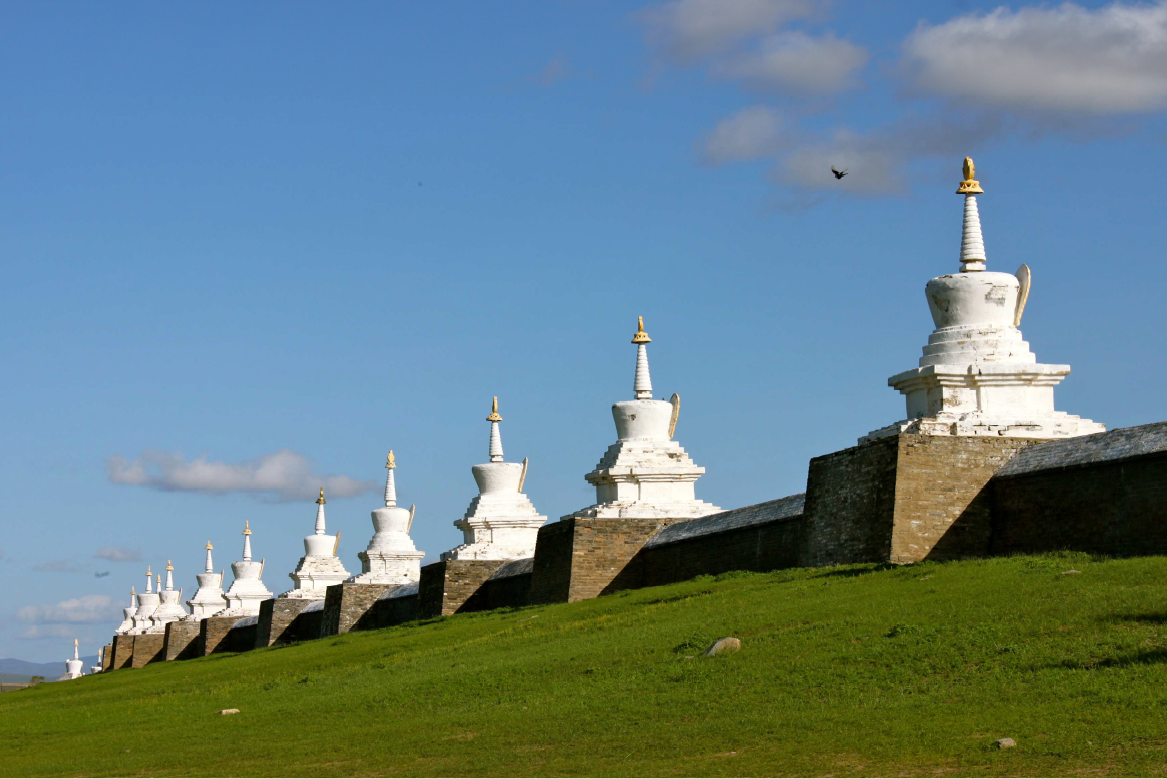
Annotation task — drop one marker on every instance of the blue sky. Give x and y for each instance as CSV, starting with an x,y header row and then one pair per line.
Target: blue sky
x,y
301,235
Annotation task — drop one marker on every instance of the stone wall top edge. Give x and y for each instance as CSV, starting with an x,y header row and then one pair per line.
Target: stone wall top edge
x,y
785,509
1113,446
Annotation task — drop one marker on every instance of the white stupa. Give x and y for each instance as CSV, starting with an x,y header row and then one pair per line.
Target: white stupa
x,y
391,557
247,591
977,375
501,523
319,567
645,474
170,609
147,603
128,615
208,599
73,667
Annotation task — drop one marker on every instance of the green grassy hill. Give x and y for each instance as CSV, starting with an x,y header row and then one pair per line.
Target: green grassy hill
x,y
852,670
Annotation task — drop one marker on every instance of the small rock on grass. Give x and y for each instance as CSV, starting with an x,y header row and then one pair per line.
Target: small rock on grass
x,y
1067,573
229,711
1005,743
723,646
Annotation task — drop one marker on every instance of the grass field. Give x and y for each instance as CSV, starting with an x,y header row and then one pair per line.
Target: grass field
x,y
853,670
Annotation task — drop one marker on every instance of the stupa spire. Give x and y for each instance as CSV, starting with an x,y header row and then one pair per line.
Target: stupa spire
x,y
642,384
247,540
972,243
169,576
149,579
133,598
320,529
390,484
75,657
158,583
495,437
210,568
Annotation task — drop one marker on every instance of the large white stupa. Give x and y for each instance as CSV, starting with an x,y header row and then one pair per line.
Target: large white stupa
x,y
319,567
391,557
147,604
208,599
73,666
128,615
247,591
977,376
170,608
645,474
501,523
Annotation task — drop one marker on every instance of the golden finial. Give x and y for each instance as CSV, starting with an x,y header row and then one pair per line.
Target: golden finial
x,y
209,547
247,527
321,499
148,571
169,567
494,417
74,642
969,186
391,462
132,591
641,337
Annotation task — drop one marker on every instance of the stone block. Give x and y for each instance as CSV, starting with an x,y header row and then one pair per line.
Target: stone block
x,y
182,640
454,586
123,651
148,648
578,558
215,635
279,622
902,499
106,657
347,607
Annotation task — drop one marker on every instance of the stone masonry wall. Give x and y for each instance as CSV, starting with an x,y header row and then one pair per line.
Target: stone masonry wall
x,y
148,648
551,568
213,632
106,657
182,641
123,651
346,606
510,585
1104,493
279,622
453,586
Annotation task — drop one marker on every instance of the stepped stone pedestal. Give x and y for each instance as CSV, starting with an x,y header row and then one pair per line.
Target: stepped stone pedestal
x,y
181,640
279,621
148,648
123,651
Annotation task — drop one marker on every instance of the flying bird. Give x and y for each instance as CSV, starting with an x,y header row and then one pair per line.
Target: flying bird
x,y
838,173
101,574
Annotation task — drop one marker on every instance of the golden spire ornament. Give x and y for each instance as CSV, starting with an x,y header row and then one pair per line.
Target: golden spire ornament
x,y
641,337
321,499
970,186
247,527
390,462
494,417
209,547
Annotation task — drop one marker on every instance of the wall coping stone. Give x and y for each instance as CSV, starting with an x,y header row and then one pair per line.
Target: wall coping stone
x,y
399,591
782,509
1125,443
520,567
316,605
246,622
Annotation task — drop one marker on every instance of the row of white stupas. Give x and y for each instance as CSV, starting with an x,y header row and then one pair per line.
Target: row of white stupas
x,y
977,376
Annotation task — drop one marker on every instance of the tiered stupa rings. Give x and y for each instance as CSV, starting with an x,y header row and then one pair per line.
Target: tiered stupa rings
x,y
319,567
391,557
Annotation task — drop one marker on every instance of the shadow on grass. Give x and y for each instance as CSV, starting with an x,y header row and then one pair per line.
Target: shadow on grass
x,y
851,572
1149,618
1142,657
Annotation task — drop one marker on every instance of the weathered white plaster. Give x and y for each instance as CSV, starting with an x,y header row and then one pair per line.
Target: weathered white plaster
x,y
391,557
170,608
319,567
501,523
645,474
128,615
147,604
977,375
208,599
72,667
247,591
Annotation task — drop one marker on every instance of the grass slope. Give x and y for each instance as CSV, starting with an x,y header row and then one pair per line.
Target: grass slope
x,y
852,670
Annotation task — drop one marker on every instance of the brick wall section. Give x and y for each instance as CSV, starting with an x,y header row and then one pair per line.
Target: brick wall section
x,y
577,559
182,641
213,633
123,651
148,648
106,657
241,637
762,537
510,585
1104,493
396,605
453,586
279,622
346,606
903,499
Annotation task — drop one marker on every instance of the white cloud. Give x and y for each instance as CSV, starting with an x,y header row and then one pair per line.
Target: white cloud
x,y
283,475
57,566
88,608
48,631
118,554
796,62
687,30
1109,60
753,132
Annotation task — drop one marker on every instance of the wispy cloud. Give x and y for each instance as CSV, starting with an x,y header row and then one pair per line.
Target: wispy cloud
x,y
58,566
88,608
283,475
118,554
753,132
794,62
556,70
33,632
688,30
1107,60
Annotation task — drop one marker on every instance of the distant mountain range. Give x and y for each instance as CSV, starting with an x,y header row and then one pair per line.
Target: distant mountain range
x,y
50,671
